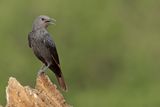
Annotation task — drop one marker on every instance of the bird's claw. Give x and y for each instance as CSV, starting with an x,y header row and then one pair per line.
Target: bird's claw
x,y
40,72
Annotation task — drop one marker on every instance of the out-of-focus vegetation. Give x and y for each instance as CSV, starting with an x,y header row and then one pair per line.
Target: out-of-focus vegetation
x,y
109,49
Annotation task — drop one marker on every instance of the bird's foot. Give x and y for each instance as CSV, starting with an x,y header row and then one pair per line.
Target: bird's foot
x,y
40,72
43,69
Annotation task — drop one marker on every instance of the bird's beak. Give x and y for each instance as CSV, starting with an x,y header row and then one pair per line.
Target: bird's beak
x,y
51,21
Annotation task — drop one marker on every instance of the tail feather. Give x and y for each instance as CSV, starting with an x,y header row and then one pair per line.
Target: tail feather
x,y
59,77
62,83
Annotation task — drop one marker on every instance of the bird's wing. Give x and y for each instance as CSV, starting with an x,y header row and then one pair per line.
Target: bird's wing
x,y
55,65
52,48
29,39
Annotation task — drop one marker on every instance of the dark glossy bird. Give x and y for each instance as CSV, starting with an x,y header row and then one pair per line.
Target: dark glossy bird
x,y
44,47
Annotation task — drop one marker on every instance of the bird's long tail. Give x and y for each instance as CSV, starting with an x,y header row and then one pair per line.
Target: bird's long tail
x,y
61,82
59,77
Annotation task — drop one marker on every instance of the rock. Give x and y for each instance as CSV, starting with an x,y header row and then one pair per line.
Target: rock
x,y
45,94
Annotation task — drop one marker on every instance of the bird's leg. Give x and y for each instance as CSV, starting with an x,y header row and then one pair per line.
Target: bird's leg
x,y
43,68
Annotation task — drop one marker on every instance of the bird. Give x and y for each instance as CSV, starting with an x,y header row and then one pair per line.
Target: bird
x,y
44,48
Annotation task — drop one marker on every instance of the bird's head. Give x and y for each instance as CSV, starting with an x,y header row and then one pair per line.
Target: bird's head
x,y
42,22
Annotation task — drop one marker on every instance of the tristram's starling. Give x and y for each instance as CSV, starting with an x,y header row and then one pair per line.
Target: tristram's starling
x,y
44,48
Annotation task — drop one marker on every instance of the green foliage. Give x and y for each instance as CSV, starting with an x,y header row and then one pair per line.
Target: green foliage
x,y
109,49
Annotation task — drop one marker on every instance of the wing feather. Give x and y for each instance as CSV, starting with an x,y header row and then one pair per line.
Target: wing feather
x,y
52,48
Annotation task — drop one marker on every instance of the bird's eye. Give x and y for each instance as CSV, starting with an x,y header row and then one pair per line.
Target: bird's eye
x,y
42,19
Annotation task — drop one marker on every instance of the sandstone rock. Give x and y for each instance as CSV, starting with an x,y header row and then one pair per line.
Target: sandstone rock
x,y
45,94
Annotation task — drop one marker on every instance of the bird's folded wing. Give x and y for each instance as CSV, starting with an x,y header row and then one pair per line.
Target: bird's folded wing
x,y
52,48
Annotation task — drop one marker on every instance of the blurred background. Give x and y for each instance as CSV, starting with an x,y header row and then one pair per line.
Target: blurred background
x,y
109,49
